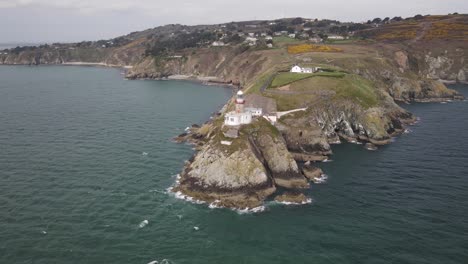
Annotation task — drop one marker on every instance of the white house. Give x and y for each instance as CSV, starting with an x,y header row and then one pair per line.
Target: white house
x,y
237,119
218,44
315,40
292,35
251,41
336,37
269,38
269,45
254,111
298,69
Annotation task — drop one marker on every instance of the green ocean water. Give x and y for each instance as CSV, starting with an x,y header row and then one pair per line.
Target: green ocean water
x,y
86,158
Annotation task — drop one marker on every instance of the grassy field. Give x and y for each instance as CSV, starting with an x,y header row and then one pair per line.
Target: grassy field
x,y
307,91
284,40
285,78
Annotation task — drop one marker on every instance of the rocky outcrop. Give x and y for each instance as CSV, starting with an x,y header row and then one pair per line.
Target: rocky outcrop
x,y
293,198
281,164
243,173
236,180
312,173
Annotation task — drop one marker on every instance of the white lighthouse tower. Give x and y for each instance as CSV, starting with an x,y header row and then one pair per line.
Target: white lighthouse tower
x,y
240,101
239,116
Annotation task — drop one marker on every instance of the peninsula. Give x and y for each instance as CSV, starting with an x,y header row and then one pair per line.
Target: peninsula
x,y
301,85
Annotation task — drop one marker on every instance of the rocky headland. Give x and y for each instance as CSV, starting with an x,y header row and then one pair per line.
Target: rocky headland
x,y
352,99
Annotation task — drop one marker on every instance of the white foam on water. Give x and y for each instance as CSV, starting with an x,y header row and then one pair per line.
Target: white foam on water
x,y
327,160
144,153
187,129
407,131
180,195
214,205
196,228
44,232
143,223
258,209
164,261
443,102
308,201
179,216
322,179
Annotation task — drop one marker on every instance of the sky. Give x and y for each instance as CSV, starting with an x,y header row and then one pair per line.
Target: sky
x,y
37,21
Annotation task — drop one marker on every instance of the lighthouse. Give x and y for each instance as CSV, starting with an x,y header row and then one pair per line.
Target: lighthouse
x,y
239,116
240,101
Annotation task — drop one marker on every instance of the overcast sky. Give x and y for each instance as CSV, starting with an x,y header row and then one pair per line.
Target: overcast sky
x,y
76,20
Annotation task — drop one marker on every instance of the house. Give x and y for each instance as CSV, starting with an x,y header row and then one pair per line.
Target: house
x,y
315,40
298,69
254,111
269,45
335,37
268,38
218,44
251,34
263,34
292,35
278,33
251,41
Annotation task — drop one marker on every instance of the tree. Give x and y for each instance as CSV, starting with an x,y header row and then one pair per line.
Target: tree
x,y
386,20
297,21
377,20
396,19
418,17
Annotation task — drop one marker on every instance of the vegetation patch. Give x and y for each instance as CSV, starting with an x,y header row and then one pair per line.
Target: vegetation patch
x,y
283,40
309,91
304,48
285,78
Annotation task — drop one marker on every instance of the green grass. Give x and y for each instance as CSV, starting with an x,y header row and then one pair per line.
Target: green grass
x,y
285,78
344,41
255,88
307,91
359,90
283,40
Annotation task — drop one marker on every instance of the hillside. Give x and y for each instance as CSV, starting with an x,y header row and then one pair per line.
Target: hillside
x,y
361,70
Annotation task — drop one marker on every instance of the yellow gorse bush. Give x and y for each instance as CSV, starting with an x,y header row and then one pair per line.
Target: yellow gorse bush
x,y
303,48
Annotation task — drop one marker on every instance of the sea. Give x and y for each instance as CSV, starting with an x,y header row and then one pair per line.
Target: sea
x,y
86,159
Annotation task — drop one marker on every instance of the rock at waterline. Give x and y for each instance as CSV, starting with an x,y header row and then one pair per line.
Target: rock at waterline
x,y
292,198
311,172
370,146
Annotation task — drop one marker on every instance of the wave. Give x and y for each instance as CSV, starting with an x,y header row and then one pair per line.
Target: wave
x,y
322,179
143,223
164,261
308,201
